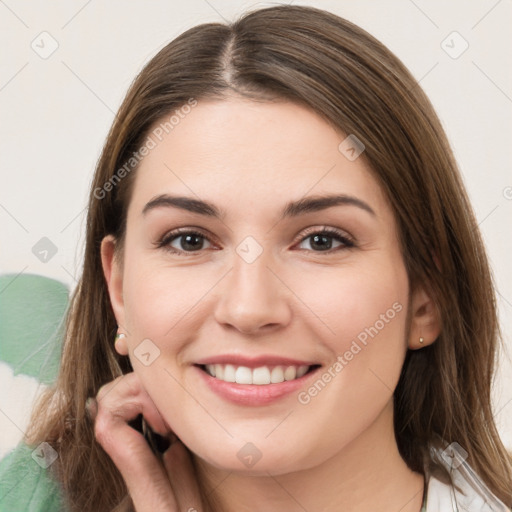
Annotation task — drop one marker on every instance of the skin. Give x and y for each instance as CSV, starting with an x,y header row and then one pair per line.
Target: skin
x,y
338,451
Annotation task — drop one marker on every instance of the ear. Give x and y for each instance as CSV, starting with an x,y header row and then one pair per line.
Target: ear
x,y
425,320
113,272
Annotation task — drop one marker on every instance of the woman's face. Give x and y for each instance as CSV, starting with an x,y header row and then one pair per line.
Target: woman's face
x,y
258,289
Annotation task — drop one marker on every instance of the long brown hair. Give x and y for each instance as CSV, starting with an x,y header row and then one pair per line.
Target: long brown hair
x,y
335,68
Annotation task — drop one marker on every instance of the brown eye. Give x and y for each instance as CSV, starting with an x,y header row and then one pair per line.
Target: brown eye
x,y
182,241
322,240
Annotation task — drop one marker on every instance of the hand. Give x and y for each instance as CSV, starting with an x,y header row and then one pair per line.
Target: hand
x,y
153,486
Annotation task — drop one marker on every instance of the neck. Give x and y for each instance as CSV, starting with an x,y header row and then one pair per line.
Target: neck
x,y
361,476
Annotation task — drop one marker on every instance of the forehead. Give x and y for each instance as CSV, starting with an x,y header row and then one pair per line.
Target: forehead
x,y
245,154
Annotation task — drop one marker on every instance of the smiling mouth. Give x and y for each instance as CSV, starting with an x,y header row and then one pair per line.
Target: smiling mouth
x,y
260,376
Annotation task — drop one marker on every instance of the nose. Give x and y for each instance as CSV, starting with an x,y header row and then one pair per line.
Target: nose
x,y
253,297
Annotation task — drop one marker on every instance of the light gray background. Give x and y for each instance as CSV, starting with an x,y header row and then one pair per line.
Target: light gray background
x,y
55,113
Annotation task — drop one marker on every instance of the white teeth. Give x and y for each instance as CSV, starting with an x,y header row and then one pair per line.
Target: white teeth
x,y
259,376
290,373
277,375
243,375
229,373
302,370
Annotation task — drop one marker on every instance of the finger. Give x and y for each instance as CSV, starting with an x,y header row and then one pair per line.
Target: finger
x,y
181,473
118,402
128,388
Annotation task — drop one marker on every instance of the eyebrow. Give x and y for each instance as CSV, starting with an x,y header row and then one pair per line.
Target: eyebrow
x,y
292,209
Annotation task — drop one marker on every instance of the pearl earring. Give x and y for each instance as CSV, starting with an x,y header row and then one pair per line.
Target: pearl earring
x,y
120,344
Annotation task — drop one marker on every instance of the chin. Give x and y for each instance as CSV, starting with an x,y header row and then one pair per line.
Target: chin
x,y
249,459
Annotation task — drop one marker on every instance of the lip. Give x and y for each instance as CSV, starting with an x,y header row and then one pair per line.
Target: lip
x,y
253,394
254,362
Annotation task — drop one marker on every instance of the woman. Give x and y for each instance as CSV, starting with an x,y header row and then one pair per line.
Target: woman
x,y
281,245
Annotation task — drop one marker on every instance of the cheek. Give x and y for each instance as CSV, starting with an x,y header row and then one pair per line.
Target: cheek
x,y
157,297
366,319
357,303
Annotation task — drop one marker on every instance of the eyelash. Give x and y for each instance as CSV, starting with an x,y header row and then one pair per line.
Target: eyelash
x,y
340,236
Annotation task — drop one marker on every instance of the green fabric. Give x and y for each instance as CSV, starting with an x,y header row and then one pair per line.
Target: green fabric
x,y
31,310
27,486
